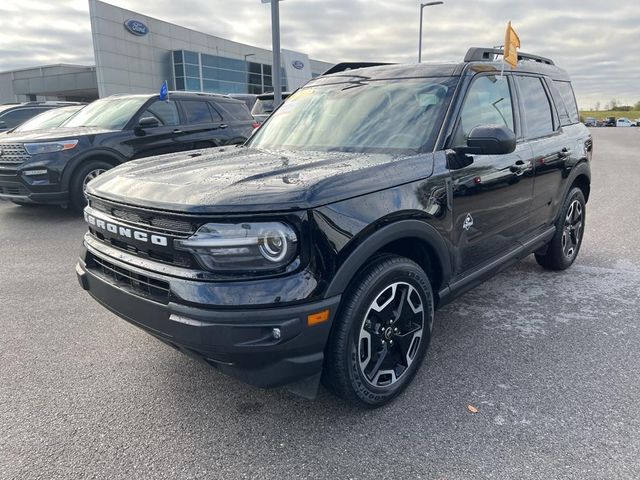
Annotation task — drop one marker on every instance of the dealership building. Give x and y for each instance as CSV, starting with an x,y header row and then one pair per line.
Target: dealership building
x,y
135,53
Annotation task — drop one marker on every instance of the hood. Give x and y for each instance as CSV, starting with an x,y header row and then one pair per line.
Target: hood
x,y
239,179
51,134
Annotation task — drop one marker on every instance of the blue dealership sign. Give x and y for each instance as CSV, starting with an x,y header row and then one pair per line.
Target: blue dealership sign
x,y
136,27
297,64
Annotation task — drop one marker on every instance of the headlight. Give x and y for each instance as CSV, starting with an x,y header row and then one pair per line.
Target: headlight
x,y
48,147
242,247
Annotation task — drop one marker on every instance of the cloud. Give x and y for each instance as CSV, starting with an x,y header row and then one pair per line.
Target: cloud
x,y
597,42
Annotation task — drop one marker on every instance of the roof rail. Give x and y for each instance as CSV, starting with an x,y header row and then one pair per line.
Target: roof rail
x,y
341,67
481,54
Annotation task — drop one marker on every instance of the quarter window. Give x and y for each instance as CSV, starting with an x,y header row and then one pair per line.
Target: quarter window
x,y
488,102
197,112
566,92
537,110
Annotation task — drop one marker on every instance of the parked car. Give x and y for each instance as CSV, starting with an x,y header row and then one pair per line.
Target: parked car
x,y
49,119
590,122
623,122
264,106
54,166
248,98
610,122
320,248
13,114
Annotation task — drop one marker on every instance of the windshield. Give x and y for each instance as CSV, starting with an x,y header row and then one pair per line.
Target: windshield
x,y
49,119
110,113
391,116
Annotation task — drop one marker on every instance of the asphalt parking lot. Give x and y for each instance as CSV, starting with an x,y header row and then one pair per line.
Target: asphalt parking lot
x,y
551,360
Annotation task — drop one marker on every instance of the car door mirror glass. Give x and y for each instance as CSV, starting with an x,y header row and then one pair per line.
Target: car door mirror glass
x,y
489,140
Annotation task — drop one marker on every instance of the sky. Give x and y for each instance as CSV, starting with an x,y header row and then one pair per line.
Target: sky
x,y
597,42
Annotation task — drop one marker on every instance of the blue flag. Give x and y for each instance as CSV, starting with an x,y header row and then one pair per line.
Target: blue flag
x,y
164,91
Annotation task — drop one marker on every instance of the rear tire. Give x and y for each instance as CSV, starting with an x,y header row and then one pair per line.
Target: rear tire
x,y
85,173
563,248
381,334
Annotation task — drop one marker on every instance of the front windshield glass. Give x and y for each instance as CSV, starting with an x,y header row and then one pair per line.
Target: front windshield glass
x,y
394,116
110,113
49,119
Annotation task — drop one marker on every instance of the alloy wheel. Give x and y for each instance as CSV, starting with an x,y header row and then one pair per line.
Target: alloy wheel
x,y
390,334
572,230
90,176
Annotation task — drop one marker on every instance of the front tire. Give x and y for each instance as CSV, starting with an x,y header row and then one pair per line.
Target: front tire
x,y
563,248
382,332
85,173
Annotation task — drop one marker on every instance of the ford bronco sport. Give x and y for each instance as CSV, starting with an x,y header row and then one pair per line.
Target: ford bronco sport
x,y
320,249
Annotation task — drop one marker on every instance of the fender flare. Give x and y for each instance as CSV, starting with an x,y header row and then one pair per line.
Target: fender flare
x,y
398,230
582,168
75,162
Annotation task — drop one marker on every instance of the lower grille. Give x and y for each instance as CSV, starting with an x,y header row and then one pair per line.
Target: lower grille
x,y
13,190
141,285
13,153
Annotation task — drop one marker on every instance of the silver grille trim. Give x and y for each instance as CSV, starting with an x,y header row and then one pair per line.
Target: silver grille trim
x,y
13,153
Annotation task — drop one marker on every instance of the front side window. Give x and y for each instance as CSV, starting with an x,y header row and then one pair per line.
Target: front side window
x,y
488,102
386,116
111,113
538,118
196,112
16,117
165,112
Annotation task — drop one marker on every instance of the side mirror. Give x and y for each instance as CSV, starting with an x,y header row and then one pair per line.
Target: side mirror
x,y
489,140
148,122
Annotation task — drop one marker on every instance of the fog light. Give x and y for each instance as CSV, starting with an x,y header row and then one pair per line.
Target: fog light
x,y
276,333
34,172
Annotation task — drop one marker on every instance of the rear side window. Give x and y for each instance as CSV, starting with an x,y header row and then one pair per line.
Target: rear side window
x,y
537,110
215,113
197,112
488,101
236,111
569,99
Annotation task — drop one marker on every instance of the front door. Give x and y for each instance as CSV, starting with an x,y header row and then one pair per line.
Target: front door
x,y
165,138
492,194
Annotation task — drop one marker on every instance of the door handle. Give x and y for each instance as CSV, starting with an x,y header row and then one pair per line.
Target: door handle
x,y
520,167
223,125
565,152
176,131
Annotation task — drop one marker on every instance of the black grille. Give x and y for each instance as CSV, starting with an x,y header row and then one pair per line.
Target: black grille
x,y
13,153
142,285
13,190
143,218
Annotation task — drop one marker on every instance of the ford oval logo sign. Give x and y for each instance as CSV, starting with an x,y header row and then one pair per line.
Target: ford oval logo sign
x,y
297,64
136,27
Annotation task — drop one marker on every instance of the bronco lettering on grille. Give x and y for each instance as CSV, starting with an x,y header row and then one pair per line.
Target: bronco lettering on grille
x,y
126,232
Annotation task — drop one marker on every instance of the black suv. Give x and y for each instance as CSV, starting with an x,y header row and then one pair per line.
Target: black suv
x,y
54,166
322,246
14,114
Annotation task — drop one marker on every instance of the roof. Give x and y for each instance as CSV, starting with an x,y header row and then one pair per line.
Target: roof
x,y
477,59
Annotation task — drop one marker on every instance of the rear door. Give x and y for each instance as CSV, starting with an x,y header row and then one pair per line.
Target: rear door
x,y
238,119
203,126
492,193
551,145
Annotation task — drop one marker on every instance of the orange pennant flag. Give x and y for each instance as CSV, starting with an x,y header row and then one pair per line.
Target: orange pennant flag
x,y
511,43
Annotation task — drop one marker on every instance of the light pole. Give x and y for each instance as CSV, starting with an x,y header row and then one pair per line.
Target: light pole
x,y
422,6
275,46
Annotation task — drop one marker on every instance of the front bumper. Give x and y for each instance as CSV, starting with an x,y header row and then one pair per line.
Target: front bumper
x,y
238,341
13,187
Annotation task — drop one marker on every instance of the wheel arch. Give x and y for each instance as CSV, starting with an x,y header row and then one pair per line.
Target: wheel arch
x,y
412,239
102,155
